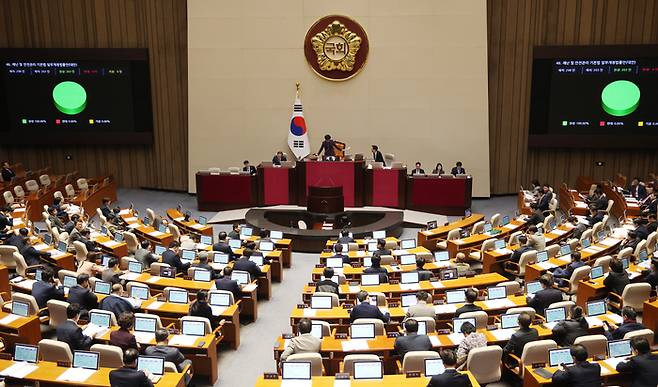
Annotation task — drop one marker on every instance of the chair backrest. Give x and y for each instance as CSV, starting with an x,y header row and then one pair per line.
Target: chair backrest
x,y
124,261
101,217
531,311
9,198
352,246
230,295
170,367
478,227
625,252
552,204
577,275
481,318
527,258
54,351
155,267
536,352
391,245
651,242
603,261
646,333
167,289
610,204
595,344
80,251
62,273
640,246
430,323
131,241
552,250
379,324
387,260
204,320
484,363
151,215
635,294
158,323
59,195
44,180
32,185
314,358
587,235
381,298
20,264
487,245
19,191
111,356
415,360
113,318
70,191
348,362
495,220
596,228
567,304
512,287
57,312
7,256
174,230
547,222
514,237
453,234
82,184
29,299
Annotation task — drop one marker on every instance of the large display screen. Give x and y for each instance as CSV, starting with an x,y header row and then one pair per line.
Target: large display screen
x,y
81,96
595,96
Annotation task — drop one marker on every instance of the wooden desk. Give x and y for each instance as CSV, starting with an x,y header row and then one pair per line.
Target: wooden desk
x,y
64,261
277,184
22,330
109,245
387,381
531,379
91,200
44,196
144,232
362,243
594,289
457,245
224,191
48,372
450,196
385,187
357,256
347,174
650,316
427,238
4,279
394,272
189,227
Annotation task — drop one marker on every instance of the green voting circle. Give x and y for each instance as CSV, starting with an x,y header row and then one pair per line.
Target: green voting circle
x,y
70,97
620,98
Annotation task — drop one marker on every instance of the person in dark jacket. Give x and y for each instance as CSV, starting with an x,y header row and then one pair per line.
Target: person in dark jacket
x,y
469,306
411,341
33,256
423,275
652,277
376,268
115,303
200,308
122,337
652,224
523,247
226,283
7,172
546,296
617,278
168,353
326,284
203,263
46,289
450,377
629,324
70,333
223,247
561,274
244,264
632,240
171,257
566,332
581,374
18,240
345,237
381,247
145,254
643,366
522,336
338,253
128,375
82,295
235,232
641,228
365,310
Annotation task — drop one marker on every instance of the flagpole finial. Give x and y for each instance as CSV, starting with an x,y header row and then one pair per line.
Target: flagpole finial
x,y
297,84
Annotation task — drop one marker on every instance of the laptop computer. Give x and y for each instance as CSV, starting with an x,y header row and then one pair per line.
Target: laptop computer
x,y
276,235
407,244
619,348
381,234
102,287
457,323
266,246
542,256
145,324
206,240
368,370
555,314
509,320
178,296
152,364
496,292
241,278
369,279
316,330
220,258
408,299
159,250
188,255
203,220
202,275
193,328
433,367
246,231
596,308
26,353
559,356
100,319
499,244
441,256
296,370
220,299
408,259
596,272
139,292
362,331
334,262
532,287
135,267
456,296
409,278
321,302
86,359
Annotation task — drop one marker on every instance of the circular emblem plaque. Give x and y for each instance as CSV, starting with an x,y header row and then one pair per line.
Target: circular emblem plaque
x,y
336,47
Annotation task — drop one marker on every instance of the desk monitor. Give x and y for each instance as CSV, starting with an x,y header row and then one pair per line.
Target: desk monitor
x,y
202,275
362,331
27,353
20,308
246,231
346,247
146,221
457,323
220,299
220,258
61,247
408,244
559,356
241,277
596,272
379,234
316,330
555,314
432,224
105,261
100,319
409,278
257,259
408,299
456,296
296,370
139,292
601,235
434,367
642,255
102,287
368,370
441,256
178,296
206,240
135,267
408,259
422,327
335,279
596,308
564,250
145,324
321,302
118,237
203,220
509,321
234,243
37,274
372,246
47,239
335,262
369,279
159,250
70,281
542,256
367,261
487,227
585,243
619,348
505,220
152,364
188,255
532,287
86,359
162,228
193,328
167,272
276,235
496,292
266,246
467,213
499,244
449,274
625,263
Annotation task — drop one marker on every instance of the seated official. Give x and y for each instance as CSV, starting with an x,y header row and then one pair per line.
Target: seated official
x,y
629,324
69,331
472,339
652,277
594,216
106,210
235,232
566,331
32,255
617,278
643,366
377,155
89,266
75,235
345,237
304,343
546,296
521,337
469,306
59,207
423,307
54,220
201,308
523,247
115,302
438,169
129,375
411,340
423,275
652,223
560,274
122,337
172,257
278,158
144,254
248,168
578,227
326,284
112,273
223,247
450,377
582,373
18,240
376,268
224,282
244,264
535,241
381,247
203,263
363,309
163,350
637,189
631,241
458,169
82,295
650,204
47,289
418,171
641,228
338,253
598,200
7,172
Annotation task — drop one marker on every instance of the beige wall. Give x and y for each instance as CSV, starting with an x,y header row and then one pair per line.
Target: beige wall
x,y
422,95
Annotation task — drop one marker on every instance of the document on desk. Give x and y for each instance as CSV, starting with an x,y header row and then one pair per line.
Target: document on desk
x,y
217,310
503,251
19,370
565,258
557,231
355,289
415,286
594,321
308,312
130,220
296,383
546,265
197,226
78,375
124,212
355,345
153,279
509,226
134,225
111,243
435,341
155,305
360,253
249,288
617,319
183,340
499,303
503,334
144,337
8,319
437,284
129,276
41,246
609,242
456,338
445,309
612,362
342,383
156,233
400,252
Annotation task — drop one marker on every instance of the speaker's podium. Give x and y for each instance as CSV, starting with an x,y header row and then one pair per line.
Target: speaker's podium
x,y
325,200
348,175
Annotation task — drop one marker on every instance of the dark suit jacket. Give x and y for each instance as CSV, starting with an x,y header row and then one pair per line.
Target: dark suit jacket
x,y
616,282
16,241
652,279
345,239
116,305
584,374
71,334
622,330
174,261
642,232
226,283
457,171
644,369
516,255
244,264
276,160
383,274
519,339
379,158
449,378
223,247
566,332
544,298
124,339
129,377
595,219
43,291
412,342
32,256
545,201
7,174
202,309
568,271
83,297
5,222
171,354
346,259
467,308
251,169
327,285
639,191
329,148
419,171
365,310
107,212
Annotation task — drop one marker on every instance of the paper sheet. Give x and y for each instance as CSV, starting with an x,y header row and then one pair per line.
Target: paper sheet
x,y
612,362
354,289
19,370
410,286
499,304
129,276
617,319
124,212
249,288
546,265
557,231
156,233
41,246
503,334
92,329
435,341
445,309
456,338
296,383
155,305
111,243
342,383
183,340
437,285
360,253
565,258
144,337
76,375
608,242
130,220
308,312
153,279
503,251
9,319
594,321
217,310
355,345
134,225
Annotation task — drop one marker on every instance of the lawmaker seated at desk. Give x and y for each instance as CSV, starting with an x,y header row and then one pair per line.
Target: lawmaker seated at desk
x,y
535,241
345,237
637,189
222,245
172,257
438,169
629,324
548,295
411,340
376,268
423,275
201,308
338,253
116,303
171,354
278,158
129,375
472,339
471,296
566,331
225,282
69,331
112,273
246,167
245,264
560,274
304,343
327,285
364,309
643,366
450,377
418,171
423,307
46,289
521,337
458,169
122,337
617,278
381,247
144,254
582,373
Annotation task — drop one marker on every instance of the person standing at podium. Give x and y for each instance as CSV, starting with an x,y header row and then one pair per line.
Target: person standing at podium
x,y
377,155
278,158
328,146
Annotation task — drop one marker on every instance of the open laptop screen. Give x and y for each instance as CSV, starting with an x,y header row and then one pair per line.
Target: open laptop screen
x,y
152,364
